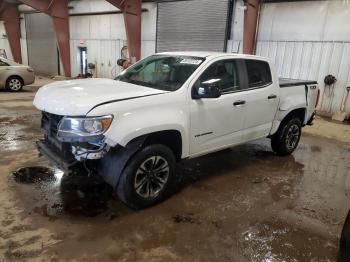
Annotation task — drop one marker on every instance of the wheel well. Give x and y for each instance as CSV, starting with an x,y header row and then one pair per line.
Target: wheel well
x,y
169,138
299,113
15,76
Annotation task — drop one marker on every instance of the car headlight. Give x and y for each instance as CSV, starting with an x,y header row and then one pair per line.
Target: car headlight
x,y
80,128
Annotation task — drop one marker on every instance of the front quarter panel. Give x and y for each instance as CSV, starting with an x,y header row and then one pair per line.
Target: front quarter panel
x,y
136,117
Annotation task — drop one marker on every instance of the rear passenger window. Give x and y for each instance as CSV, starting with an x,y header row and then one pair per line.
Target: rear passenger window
x,y
259,73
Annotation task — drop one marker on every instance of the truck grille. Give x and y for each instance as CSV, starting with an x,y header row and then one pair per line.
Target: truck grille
x,y
49,125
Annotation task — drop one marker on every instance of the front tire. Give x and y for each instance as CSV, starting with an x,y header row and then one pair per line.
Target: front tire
x,y
148,178
14,84
286,139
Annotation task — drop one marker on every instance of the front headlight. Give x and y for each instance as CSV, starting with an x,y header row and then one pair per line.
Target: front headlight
x,y
79,128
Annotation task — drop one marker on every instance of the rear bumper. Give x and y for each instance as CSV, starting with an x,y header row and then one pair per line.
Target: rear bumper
x,y
29,79
55,158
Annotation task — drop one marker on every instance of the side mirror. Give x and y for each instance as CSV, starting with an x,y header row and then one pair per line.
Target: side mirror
x,y
205,91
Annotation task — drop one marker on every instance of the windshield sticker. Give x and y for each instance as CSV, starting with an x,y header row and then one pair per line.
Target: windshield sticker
x,y
191,61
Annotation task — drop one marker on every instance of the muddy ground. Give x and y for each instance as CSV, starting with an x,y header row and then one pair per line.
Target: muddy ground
x,y
242,204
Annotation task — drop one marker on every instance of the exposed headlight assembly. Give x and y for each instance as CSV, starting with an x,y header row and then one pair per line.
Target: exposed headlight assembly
x,y
81,129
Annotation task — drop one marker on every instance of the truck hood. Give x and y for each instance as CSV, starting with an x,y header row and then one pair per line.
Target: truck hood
x,y
78,97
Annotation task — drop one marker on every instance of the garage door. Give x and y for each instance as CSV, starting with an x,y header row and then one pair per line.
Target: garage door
x,y
41,44
192,25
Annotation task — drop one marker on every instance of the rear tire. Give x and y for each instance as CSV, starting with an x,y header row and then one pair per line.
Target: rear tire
x,y
286,139
14,84
148,178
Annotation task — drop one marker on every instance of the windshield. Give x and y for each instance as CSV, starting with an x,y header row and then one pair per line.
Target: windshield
x,y
165,72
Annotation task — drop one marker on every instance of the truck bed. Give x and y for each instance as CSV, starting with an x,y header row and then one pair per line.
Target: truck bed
x,y
302,92
287,82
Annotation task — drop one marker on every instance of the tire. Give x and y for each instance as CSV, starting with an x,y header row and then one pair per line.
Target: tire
x,y
286,139
344,243
14,84
139,186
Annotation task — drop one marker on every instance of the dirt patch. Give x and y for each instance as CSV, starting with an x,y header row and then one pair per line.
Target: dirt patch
x,y
240,204
328,128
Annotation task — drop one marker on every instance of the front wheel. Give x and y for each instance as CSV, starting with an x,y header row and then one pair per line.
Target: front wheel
x,y
148,177
286,139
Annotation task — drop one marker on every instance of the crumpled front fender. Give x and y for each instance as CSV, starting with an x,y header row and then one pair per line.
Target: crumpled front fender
x,y
114,162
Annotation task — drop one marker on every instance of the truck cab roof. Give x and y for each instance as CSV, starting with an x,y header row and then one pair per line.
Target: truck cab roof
x,y
211,54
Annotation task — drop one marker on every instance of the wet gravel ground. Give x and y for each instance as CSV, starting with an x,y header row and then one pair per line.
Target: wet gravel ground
x,y
241,204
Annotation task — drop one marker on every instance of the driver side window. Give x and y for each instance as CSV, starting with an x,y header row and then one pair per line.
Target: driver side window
x,y
222,74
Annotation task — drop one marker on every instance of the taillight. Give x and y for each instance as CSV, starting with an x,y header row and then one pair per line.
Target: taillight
x,y
30,70
317,97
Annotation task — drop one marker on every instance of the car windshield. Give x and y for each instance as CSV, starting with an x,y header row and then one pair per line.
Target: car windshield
x,y
8,62
165,72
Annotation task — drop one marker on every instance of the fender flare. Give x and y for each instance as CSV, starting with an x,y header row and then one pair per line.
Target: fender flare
x,y
114,162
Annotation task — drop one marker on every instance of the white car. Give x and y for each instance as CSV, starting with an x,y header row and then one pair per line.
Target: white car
x,y
14,76
168,107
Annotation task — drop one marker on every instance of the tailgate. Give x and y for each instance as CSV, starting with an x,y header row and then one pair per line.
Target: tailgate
x,y
312,96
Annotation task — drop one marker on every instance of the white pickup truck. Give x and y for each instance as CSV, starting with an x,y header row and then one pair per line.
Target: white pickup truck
x,y
168,107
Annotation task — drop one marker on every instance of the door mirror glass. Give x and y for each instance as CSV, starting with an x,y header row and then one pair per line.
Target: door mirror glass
x,y
206,90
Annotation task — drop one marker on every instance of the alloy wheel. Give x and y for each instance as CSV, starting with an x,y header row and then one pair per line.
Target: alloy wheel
x,y
151,177
292,137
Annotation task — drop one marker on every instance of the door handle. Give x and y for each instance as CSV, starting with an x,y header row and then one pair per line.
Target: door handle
x,y
271,97
239,102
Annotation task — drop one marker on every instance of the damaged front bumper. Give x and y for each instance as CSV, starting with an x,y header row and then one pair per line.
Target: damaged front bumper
x,y
45,150
66,153
110,165
77,154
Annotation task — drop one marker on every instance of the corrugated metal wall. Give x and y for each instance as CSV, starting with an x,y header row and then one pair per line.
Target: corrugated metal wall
x,y
307,40
313,61
41,43
104,53
4,44
104,36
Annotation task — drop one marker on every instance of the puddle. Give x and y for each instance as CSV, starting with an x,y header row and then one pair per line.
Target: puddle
x,y
57,194
277,241
85,195
33,174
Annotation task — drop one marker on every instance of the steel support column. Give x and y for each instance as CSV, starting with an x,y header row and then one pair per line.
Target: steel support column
x,y
251,16
132,18
58,10
10,15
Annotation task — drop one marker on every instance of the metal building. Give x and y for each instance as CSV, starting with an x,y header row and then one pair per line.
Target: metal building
x,y
305,39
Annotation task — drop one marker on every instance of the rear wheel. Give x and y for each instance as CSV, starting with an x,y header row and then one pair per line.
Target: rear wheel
x,y
14,84
286,139
148,177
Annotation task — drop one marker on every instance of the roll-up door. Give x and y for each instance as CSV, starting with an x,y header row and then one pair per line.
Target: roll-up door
x,y
41,44
192,25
